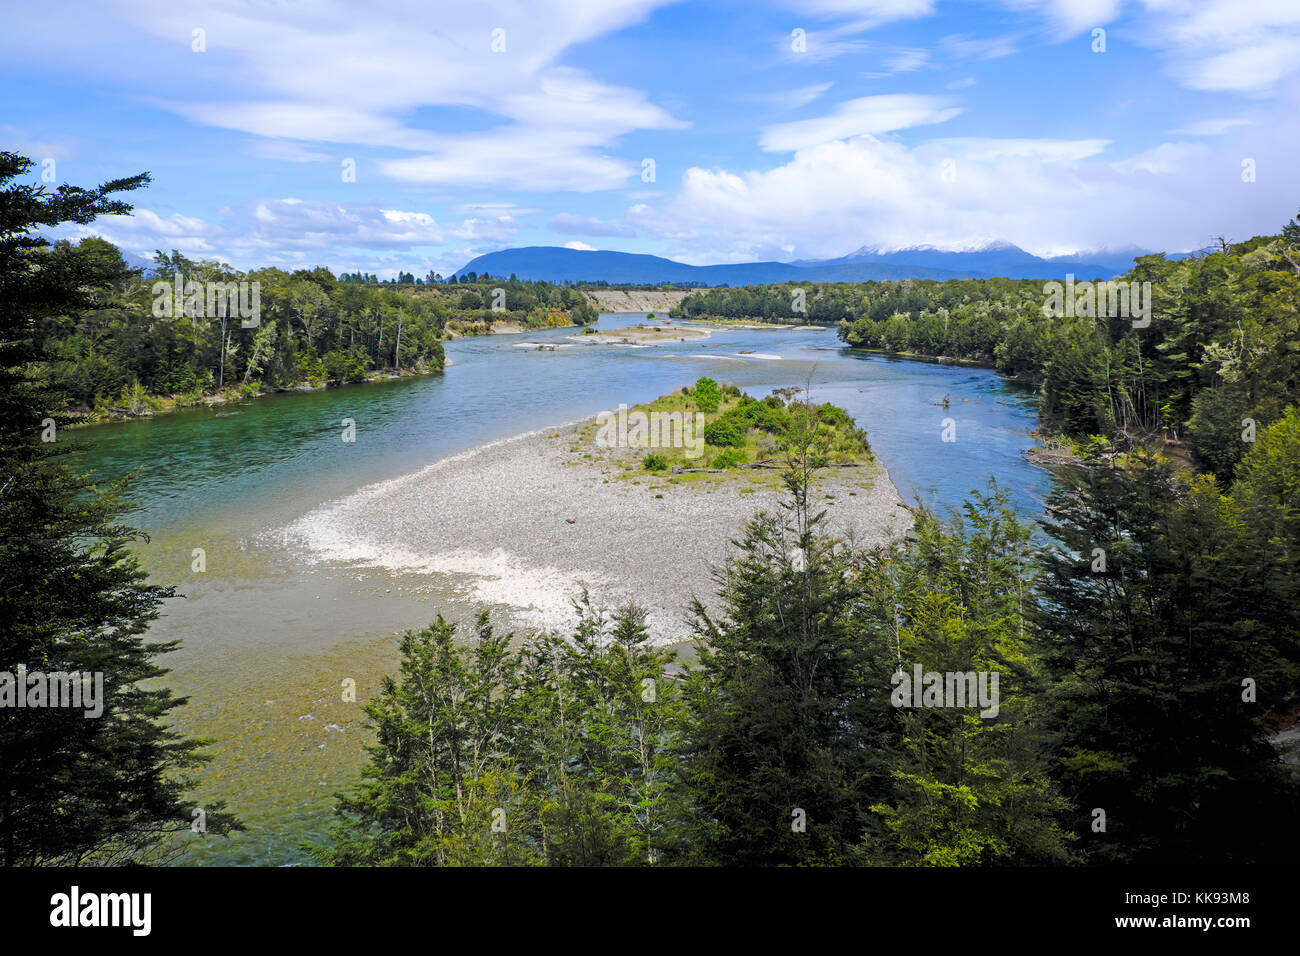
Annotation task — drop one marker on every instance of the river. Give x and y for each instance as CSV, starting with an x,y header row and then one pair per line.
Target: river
x,y
268,635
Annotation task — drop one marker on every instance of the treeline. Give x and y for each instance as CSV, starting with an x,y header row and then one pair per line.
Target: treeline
x,y
1214,355
140,344
1140,655
1218,354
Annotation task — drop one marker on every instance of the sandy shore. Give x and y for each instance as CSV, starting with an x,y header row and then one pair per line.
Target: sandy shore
x,y
526,522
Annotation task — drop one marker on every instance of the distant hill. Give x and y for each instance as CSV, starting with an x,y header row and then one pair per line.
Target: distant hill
x,y
559,264
995,259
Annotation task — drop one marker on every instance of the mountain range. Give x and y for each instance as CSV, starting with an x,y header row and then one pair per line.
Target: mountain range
x,y
561,264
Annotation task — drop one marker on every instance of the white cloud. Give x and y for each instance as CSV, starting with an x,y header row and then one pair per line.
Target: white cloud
x,y
908,60
965,47
500,229
792,99
19,141
1212,126
985,150
580,246
1220,45
1069,18
325,73
866,11
287,151
588,226
1165,158
1051,196
866,115
292,232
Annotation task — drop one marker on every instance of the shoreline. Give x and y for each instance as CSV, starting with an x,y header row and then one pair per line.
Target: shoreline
x,y
229,396
523,524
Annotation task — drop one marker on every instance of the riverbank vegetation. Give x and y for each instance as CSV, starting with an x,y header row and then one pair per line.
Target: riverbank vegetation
x,y
122,358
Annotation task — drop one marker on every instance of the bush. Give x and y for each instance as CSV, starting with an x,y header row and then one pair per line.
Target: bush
x,y
707,395
753,414
724,434
654,462
834,416
729,458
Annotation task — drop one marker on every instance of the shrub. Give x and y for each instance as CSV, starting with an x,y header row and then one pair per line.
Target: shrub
x,y
724,433
654,462
834,416
754,414
707,395
729,458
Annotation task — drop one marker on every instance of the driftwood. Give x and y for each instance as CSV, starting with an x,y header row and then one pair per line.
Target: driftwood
x,y
777,463
774,463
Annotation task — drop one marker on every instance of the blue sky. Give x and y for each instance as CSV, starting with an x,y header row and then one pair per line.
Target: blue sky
x,y
776,130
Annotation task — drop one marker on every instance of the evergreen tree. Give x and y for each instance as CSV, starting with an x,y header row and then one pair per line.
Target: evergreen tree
x,y
971,784
112,788
788,708
1151,629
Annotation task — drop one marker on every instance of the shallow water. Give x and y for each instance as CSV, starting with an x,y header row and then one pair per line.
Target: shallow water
x,y
268,634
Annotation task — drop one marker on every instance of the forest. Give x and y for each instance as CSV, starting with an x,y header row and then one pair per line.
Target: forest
x,y
122,358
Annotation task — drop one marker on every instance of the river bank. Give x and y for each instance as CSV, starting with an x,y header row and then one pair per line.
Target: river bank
x,y
526,523
151,405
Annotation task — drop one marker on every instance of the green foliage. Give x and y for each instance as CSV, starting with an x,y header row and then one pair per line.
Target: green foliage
x,y
729,458
313,328
1118,688
724,433
654,462
1161,600
77,790
707,395
553,752
967,789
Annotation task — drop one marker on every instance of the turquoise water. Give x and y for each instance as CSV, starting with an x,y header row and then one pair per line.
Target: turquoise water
x,y
267,638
